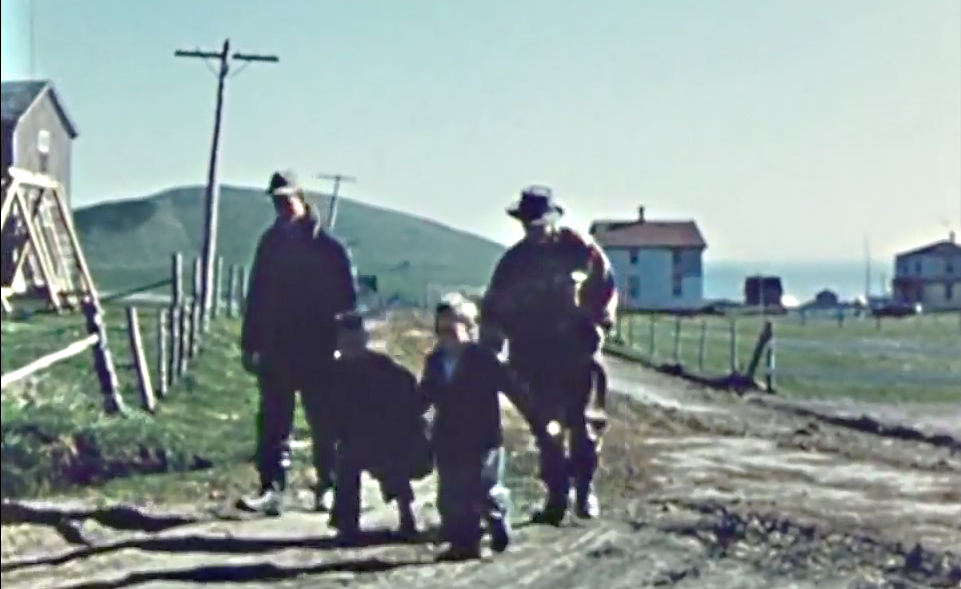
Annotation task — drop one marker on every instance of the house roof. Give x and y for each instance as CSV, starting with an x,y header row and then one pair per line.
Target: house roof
x,y
16,98
647,234
944,247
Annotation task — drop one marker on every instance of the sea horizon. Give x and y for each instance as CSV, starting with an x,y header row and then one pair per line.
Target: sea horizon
x,y
801,279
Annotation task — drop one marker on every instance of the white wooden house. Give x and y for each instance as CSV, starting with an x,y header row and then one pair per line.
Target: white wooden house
x,y
658,264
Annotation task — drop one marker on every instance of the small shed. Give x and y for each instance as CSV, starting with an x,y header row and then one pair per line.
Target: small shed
x,y
40,253
763,291
826,299
37,134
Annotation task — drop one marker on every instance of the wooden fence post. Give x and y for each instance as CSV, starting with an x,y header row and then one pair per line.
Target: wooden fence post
x,y
232,291
630,331
196,326
733,344
769,367
102,360
163,377
701,342
242,290
144,387
217,291
677,340
183,352
198,286
767,332
173,316
652,346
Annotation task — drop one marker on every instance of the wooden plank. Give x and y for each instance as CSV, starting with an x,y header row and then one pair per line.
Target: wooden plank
x,y
39,250
23,176
144,386
44,362
7,206
79,259
103,361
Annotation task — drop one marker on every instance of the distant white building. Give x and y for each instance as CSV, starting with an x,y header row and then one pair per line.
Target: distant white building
x,y
658,264
929,275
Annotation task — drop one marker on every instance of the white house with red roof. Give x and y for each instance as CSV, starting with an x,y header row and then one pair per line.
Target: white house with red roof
x,y
658,264
929,275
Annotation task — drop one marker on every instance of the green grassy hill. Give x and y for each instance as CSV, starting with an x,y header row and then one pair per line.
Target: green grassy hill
x,y
129,243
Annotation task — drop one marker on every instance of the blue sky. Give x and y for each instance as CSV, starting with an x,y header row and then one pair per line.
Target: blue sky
x,y
788,129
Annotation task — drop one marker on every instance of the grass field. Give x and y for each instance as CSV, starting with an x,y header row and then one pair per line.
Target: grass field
x,y
910,359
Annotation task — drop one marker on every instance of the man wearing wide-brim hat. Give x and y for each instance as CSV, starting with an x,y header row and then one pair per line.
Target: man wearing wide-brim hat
x,y
301,279
552,297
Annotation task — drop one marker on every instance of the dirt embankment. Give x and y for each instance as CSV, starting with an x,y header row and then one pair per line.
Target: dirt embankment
x,y
701,490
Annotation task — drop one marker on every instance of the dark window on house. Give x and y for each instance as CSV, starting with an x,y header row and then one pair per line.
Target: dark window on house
x,y
43,151
633,287
677,288
917,267
634,253
949,291
949,266
676,259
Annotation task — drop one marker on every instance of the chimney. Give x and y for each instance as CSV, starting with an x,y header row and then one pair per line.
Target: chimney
x,y
640,214
952,237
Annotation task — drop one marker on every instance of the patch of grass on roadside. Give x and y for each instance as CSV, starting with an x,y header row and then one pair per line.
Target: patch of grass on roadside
x,y
56,437
913,359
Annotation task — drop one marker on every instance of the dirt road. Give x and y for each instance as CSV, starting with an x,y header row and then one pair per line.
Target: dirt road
x,y
702,490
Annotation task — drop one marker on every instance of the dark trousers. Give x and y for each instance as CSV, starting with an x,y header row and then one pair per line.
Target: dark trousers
x,y
469,492
560,382
393,479
275,421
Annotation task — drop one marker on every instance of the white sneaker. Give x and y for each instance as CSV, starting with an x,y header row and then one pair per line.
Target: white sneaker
x,y
324,501
270,502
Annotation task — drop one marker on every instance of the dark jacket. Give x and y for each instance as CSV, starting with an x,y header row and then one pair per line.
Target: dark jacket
x,y
380,414
301,278
467,415
530,289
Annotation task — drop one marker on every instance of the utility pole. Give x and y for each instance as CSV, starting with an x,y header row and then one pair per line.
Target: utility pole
x,y
212,194
337,179
867,269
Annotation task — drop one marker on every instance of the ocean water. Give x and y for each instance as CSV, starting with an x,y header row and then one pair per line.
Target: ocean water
x,y
801,280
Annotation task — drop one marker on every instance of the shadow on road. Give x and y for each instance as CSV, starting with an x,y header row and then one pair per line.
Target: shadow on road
x,y
251,572
228,545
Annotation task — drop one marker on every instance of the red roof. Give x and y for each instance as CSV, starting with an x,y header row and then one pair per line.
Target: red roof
x,y
647,234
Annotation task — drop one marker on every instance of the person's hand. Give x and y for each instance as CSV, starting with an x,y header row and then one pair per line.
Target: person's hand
x,y
250,361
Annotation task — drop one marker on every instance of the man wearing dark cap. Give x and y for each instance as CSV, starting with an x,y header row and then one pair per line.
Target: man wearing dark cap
x,y
301,279
552,297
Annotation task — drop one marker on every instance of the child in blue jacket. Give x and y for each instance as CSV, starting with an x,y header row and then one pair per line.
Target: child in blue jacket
x,y
461,381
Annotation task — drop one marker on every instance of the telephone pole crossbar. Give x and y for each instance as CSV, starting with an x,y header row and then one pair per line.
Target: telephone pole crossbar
x,y
212,193
332,209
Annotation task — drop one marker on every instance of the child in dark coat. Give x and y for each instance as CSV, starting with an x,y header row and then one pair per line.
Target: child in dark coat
x,y
461,380
381,429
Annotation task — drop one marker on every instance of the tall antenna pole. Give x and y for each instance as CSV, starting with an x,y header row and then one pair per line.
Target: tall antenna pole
x,y
332,211
212,193
32,16
867,269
